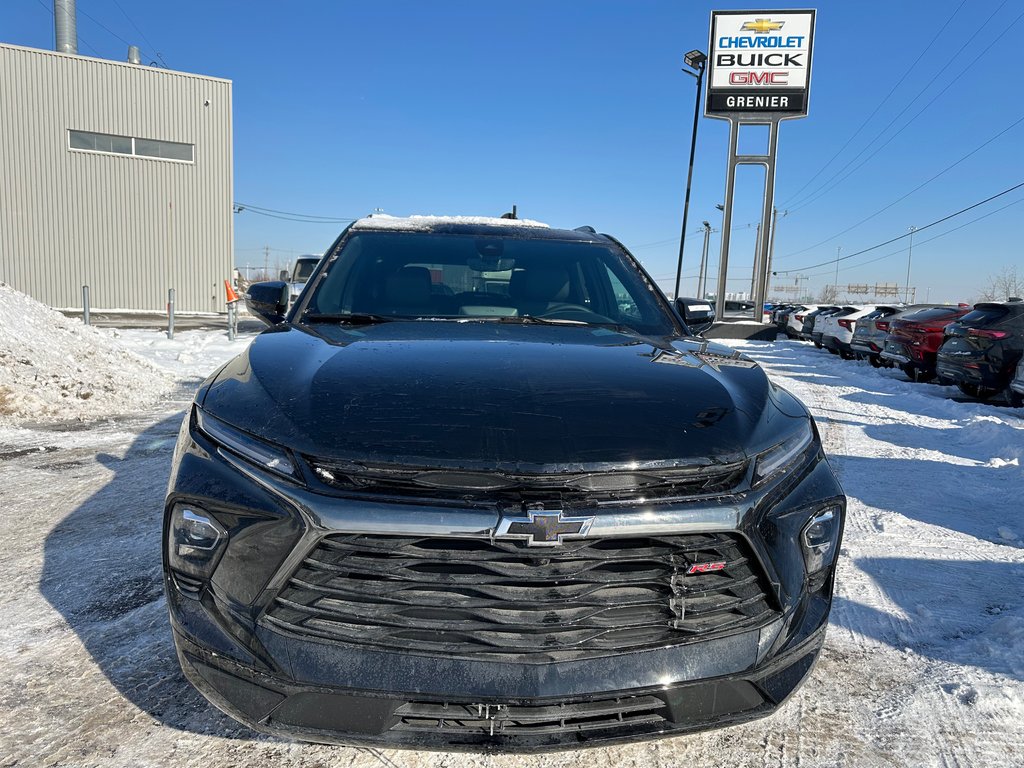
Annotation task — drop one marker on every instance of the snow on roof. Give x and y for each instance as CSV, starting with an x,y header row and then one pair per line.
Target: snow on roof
x,y
55,368
426,223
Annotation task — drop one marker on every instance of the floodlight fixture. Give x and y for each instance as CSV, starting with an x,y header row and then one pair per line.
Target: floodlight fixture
x,y
695,59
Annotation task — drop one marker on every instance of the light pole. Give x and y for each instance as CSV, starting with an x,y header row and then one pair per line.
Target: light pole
x,y
702,278
696,61
910,253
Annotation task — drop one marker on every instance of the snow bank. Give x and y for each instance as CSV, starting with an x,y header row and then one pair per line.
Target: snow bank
x,y
53,368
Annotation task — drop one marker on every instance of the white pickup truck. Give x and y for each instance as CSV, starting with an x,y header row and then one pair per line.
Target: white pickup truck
x,y
301,272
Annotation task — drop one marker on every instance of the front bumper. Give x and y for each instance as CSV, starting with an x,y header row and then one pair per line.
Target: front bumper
x,y
409,718
321,690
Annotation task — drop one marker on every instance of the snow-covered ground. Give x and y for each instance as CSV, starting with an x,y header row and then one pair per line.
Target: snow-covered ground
x,y
924,662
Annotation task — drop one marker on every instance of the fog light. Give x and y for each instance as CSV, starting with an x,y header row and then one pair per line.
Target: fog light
x,y
194,541
819,538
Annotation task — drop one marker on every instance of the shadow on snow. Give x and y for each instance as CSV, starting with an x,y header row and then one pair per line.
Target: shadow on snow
x,y
102,572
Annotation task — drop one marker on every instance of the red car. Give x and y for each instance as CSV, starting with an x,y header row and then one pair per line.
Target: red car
x,y
914,339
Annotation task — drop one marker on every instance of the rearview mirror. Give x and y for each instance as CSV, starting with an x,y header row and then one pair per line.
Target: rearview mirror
x,y
696,314
268,301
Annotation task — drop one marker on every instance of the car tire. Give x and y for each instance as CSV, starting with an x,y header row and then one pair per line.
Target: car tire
x,y
1016,398
846,355
977,391
916,374
817,345
876,361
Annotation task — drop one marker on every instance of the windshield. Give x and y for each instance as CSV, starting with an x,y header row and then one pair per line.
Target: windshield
x,y
986,315
509,279
303,269
935,313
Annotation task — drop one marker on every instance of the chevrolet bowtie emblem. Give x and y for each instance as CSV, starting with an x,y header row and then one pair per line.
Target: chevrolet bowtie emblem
x,y
543,528
763,26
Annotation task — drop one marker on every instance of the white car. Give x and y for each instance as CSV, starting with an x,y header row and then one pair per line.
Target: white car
x,y
1017,386
837,332
795,321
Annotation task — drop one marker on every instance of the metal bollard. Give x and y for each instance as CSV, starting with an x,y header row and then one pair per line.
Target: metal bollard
x,y
231,321
170,313
85,304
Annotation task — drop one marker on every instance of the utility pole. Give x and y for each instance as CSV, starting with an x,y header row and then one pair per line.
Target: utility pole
x,y
910,253
266,262
702,278
835,285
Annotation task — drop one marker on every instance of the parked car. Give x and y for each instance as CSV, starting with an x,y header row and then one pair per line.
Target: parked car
x,y
814,324
870,331
787,323
981,350
796,320
837,329
521,519
779,311
803,322
1017,386
915,337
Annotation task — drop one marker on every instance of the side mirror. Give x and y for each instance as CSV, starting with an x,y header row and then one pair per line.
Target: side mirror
x,y
697,315
268,301
283,275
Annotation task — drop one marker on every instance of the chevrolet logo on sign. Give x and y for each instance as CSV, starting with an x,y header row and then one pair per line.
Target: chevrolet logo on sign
x,y
543,528
762,26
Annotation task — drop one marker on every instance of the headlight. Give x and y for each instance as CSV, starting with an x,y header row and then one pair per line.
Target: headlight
x,y
259,452
195,541
819,539
782,457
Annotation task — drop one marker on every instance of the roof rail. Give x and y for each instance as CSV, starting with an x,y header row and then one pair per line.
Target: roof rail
x,y
586,228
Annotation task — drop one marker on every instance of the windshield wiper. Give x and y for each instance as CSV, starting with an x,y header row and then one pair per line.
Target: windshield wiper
x,y
351,318
534,320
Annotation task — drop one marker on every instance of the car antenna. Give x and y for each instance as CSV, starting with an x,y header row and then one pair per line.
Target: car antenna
x,y
513,214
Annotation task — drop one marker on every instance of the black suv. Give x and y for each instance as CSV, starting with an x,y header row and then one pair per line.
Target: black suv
x,y
481,489
980,351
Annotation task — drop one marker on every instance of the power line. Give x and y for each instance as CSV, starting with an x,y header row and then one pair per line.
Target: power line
x,y
920,186
900,237
308,218
825,188
699,231
922,242
143,34
880,104
101,25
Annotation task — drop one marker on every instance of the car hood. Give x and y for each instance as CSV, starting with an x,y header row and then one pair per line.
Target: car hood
x,y
513,397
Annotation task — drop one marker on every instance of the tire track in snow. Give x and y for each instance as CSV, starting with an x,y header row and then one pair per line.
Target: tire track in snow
x,y
925,697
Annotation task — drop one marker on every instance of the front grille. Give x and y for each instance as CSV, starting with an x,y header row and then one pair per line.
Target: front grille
x,y
475,597
491,488
491,720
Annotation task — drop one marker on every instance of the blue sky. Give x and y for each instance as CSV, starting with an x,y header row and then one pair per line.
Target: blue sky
x,y
578,113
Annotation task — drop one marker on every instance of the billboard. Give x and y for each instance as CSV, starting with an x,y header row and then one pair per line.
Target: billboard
x,y
759,64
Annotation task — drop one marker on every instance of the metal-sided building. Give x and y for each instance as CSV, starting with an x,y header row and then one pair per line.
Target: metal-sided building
x,y
117,176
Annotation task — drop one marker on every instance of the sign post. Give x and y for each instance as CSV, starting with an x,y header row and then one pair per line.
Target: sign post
x,y
759,73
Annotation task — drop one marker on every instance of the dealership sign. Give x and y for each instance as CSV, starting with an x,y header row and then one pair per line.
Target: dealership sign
x,y
759,63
